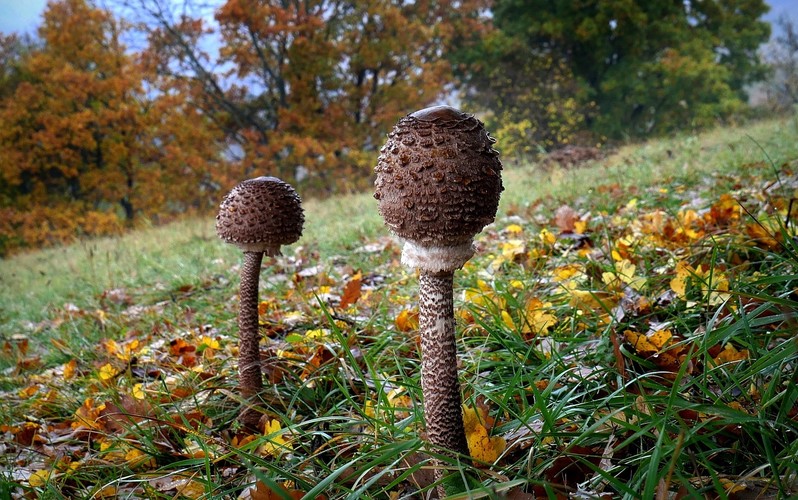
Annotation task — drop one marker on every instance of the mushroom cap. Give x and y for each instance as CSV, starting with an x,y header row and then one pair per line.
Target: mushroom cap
x,y
260,215
438,178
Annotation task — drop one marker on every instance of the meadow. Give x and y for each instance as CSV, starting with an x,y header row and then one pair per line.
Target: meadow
x,y
626,330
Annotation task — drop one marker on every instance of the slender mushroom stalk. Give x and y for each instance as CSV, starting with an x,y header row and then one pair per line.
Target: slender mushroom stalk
x,y
438,184
258,215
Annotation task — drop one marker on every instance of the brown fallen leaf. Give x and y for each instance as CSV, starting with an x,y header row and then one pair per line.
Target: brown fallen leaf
x,y
352,291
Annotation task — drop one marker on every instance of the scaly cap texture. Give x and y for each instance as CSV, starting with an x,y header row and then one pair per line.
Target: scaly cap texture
x,y
438,184
260,215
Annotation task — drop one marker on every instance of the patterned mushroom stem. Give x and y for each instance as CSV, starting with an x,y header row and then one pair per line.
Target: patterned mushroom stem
x,y
439,383
249,373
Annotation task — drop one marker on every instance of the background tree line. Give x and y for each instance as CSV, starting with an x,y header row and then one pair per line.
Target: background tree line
x,y
152,109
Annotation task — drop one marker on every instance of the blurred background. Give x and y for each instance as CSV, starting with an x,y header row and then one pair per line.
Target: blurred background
x,y
119,113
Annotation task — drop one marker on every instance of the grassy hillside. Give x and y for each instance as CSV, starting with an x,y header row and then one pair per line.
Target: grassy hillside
x,y
186,252
636,344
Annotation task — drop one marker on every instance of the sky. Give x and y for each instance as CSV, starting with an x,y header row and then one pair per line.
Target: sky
x,y
20,15
24,15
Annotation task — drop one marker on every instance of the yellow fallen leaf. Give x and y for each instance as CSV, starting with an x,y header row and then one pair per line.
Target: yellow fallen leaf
x,y
108,372
276,442
317,335
730,354
369,410
481,446
591,300
715,288
113,451
624,247
512,249
679,283
138,391
39,478
508,320
109,491
731,487
88,415
547,237
399,399
484,448
209,343
567,272
538,320
517,284
626,273
192,489
137,458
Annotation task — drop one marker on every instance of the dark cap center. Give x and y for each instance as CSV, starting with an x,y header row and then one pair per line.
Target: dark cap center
x,y
438,113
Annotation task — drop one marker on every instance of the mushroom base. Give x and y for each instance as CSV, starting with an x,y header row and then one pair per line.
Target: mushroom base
x,y
436,260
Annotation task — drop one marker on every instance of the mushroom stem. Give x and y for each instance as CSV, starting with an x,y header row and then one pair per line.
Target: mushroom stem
x,y
249,372
441,389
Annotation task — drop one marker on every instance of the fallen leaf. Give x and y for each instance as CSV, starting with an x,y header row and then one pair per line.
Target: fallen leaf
x,y
39,478
276,443
352,291
730,354
178,346
537,318
565,219
481,446
407,320
69,369
107,372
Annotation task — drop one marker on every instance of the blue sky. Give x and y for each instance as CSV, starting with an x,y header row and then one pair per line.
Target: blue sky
x,y
24,15
20,15
777,7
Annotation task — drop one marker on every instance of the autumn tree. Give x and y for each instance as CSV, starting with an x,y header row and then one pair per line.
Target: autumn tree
x,y
649,67
14,51
84,148
306,90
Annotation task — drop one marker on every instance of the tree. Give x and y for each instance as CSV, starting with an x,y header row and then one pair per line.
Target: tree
x,y
530,100
306,90
650,67
84,148
14,52
783,58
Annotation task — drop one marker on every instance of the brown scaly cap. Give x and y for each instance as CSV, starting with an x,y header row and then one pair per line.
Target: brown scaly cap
x,y
260,215
438,178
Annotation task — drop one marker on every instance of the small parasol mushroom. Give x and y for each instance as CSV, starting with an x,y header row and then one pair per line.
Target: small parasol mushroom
x,y
258,215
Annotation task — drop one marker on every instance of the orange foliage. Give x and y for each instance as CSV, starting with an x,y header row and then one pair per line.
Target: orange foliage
x,y
315,84
94,137
85,148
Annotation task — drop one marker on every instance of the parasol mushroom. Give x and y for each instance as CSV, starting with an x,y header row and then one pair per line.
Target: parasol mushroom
x,y
438,184
258,216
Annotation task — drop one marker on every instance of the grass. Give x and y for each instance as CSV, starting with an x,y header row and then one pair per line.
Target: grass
x,y
600,378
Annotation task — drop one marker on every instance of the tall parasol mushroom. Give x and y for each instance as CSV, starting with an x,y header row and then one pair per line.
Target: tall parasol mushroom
x,y
438,184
